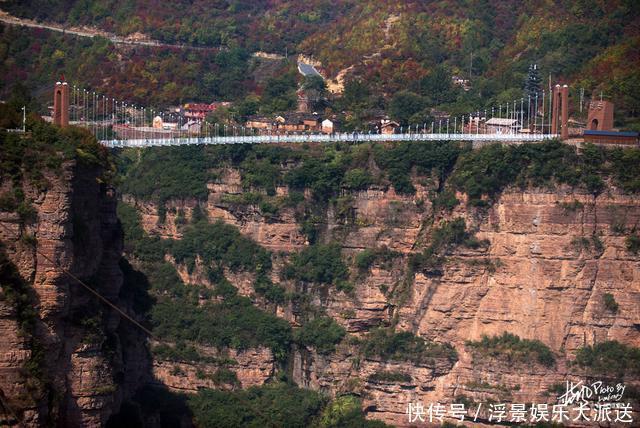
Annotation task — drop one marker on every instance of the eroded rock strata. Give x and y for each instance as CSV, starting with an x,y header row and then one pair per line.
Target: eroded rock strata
x,y
551,256
65,358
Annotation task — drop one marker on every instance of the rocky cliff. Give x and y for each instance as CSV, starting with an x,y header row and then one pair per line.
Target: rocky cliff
x,y
65,359
548,260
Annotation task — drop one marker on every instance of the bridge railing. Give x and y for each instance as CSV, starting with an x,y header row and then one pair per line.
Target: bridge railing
x,y
320,138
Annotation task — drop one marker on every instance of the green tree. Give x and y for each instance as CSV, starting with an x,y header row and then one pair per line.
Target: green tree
x,y
315,89
437,87
280,93
532,83
404,105
356,96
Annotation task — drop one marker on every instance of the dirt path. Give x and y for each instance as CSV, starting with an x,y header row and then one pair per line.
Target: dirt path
x,y
137,39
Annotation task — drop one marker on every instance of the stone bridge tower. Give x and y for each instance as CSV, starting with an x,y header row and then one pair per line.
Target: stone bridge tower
x,y
560,111
61,104
600,116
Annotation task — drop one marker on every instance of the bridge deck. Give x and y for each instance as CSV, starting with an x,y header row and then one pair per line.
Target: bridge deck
x,y
326,138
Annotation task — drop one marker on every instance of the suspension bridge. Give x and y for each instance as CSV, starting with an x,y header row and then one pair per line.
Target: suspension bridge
x,y
352,137
119,124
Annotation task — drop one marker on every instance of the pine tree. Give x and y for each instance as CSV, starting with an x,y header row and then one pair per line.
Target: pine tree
x,y
532,84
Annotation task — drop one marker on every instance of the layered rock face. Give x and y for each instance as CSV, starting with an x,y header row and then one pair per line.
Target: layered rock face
x,y
551,256
76,362
252,367
549,263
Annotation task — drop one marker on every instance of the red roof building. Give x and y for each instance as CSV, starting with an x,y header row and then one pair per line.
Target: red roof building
x,y
199,111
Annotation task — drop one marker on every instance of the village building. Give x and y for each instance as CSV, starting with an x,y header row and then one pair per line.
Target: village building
x,y
286,123
198,111
388,126
158,123
298,122
611,138
307,70
192,127
465,84
260,123
327,126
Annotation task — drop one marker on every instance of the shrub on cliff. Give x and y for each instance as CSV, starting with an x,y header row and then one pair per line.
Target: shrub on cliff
x,y
136,242
610,358
389,376
234,323
632,243
321,333
346,412
482,174
265,287
164,173
610,302
513,349
320,263
276,404
405,346
426,157
322,175
444,239
44,148
261,174
179,313
366,258
220,244
357,179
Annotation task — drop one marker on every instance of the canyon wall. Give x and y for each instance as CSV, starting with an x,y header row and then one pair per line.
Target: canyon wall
x,y
66,359
550,257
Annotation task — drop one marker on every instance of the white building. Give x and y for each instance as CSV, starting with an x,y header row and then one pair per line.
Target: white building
x,y
498,125
327,126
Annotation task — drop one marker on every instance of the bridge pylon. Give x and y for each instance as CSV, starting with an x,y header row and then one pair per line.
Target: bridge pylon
x,y
560,111
61,103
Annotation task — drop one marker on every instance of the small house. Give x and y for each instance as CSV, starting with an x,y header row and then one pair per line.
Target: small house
x,y
388,126
327,126
498,125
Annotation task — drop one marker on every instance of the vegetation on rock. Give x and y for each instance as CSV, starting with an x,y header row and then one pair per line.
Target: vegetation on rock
x,y
610,358
321,333
404,346
320,264
512,349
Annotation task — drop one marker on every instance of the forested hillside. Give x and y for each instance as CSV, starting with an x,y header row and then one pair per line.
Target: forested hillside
x,y
390,46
